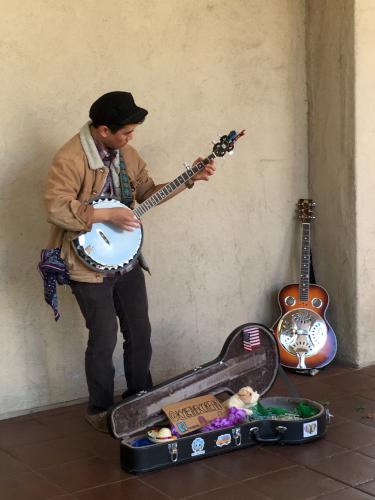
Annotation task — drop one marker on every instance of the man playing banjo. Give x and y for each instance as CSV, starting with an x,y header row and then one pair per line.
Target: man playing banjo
x,y
99,162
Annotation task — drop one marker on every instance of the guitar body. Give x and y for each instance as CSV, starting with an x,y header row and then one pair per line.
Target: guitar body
x,y
305,338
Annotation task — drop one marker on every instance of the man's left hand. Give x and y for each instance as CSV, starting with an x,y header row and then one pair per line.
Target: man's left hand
x,y
204,174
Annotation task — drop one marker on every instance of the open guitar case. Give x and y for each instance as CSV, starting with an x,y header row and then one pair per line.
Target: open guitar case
x,y
234,368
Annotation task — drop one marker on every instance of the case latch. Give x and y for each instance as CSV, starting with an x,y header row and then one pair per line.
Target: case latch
x,y
236,432
329,416
173,452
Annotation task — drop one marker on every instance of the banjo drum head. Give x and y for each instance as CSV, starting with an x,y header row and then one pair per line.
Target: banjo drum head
x,y
107,247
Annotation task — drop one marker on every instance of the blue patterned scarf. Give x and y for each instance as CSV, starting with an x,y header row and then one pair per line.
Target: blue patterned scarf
x,y
54,271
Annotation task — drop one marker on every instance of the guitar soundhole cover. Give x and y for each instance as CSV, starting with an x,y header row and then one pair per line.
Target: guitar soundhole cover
x,y
290,301
317,302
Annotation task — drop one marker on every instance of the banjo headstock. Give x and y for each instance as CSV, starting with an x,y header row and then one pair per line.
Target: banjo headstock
x,y
226,143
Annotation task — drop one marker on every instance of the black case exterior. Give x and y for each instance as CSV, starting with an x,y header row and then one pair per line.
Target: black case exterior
x,y
207,444
234,368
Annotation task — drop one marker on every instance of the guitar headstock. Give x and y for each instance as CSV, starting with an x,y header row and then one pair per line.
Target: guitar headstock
x,y
226,143
306,210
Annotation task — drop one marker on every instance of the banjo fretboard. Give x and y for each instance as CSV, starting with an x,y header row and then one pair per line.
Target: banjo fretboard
x,y
169,188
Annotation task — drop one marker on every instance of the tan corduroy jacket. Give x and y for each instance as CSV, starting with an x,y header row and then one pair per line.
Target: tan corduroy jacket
x,y
73,180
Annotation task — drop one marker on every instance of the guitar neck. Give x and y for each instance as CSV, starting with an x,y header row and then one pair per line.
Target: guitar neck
x,y
304,280
171,187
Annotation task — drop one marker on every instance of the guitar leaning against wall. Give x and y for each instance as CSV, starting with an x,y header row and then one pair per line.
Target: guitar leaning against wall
x,y
305,338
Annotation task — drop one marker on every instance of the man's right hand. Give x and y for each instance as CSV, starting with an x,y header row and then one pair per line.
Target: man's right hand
x,y
122,217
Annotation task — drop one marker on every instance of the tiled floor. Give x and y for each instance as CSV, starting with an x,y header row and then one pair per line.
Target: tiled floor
x,y
56,455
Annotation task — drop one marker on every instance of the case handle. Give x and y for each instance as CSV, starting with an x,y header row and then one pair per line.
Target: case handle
x,y
280,434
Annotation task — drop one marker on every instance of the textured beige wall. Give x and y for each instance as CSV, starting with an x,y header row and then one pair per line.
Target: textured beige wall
x,y
341,81
365,176
219,252
330,77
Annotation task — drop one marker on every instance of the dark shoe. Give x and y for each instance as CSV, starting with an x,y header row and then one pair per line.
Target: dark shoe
x,y
98,421
127,394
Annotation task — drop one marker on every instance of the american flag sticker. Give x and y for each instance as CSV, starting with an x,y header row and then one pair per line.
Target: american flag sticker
x,y
250,337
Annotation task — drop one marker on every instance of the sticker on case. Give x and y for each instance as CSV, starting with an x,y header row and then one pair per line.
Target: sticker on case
x,y
310,429
182,427
198,447
223,440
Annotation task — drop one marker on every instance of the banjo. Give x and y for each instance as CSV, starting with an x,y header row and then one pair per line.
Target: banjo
x,y
108,248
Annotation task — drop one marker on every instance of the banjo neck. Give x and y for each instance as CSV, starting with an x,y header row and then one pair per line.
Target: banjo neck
x,y
171,187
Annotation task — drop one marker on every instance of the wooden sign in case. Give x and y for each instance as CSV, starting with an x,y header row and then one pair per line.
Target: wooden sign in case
x,y
193,414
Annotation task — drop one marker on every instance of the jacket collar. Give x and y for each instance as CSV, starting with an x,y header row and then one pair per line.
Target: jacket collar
x,y
90,149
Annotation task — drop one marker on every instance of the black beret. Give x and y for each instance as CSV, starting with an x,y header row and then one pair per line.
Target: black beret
x,y
116,108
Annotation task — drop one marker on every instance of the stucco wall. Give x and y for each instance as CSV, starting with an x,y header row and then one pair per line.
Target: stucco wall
x,y
341,80
365,176
330,77
219,252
